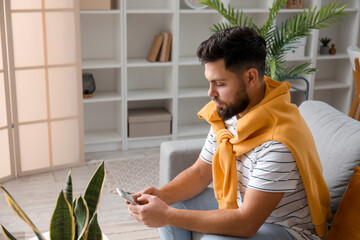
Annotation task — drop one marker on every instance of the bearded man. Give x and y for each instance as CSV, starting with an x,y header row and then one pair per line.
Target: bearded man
x,y
259,154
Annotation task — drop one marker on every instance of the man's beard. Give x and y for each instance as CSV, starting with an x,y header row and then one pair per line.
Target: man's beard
x,y
240,103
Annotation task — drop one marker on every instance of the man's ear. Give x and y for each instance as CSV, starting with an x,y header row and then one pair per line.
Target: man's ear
x,y
252,77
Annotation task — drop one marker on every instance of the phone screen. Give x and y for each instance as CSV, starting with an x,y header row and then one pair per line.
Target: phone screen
x,y
127,196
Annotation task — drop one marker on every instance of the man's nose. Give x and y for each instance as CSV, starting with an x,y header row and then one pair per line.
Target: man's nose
x,y
212,92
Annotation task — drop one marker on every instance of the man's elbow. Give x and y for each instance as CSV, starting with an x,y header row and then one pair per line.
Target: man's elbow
x,y
248,230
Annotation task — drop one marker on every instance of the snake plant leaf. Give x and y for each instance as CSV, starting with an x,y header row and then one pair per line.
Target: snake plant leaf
x,y
82,216
62,225
94,189
94,231
6,233
12,203
68,188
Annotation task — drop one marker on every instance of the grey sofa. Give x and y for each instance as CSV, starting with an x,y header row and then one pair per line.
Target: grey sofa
x,y
337,138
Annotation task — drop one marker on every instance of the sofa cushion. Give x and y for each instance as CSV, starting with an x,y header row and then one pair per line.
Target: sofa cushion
x,y
346,221
337,139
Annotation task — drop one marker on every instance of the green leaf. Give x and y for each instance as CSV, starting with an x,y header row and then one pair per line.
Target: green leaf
x,y
234,16
6,233
12,203
81,215
62,225
265,30
94,231
68,188
94,189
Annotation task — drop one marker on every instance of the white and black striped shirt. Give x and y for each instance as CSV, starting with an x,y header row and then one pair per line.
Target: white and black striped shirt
x,y
271,167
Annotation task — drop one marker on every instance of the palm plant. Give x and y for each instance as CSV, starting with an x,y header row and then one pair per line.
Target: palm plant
x,y
279,38
72,218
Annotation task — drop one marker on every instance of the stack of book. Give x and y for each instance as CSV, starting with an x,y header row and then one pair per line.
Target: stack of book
x,y
160,50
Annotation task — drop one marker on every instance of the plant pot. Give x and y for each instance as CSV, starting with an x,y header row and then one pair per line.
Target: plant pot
x,y
47,236
324,50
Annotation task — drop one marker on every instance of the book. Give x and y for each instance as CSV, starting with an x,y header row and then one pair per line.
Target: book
x,y
155,48
166,47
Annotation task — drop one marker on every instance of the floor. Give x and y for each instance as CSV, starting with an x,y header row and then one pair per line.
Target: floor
x,y
37,194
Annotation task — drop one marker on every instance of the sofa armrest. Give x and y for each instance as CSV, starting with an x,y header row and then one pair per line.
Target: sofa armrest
x,y
176,156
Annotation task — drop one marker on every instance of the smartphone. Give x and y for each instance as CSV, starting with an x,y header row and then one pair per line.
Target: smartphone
x,y
127,196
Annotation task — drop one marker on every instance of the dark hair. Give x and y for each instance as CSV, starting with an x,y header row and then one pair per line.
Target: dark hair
x,y
241,48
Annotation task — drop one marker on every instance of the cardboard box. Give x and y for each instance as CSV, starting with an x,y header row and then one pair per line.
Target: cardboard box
x,y
95,4
295,4
146,122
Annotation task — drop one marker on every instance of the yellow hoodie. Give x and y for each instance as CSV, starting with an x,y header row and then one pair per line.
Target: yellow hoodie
x,y
274,118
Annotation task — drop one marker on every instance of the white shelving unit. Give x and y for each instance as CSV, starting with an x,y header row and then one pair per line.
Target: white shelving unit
x,y
114,48
102,43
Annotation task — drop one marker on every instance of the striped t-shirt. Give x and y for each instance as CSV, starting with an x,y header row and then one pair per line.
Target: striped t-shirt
x,y
271,167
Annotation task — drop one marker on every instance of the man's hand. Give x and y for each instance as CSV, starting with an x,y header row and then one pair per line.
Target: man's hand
x,y
149,191
152,212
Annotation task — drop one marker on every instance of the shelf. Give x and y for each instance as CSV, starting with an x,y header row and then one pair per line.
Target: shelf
x,y
330,84
197,11
148,138
103,97
187,130
100,12
96,137
333,57
149,11
141,62
351,10
148,94
293,10
146,142
100,64
294,59
191,92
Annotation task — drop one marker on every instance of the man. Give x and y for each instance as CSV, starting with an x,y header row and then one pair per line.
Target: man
x,y
259,154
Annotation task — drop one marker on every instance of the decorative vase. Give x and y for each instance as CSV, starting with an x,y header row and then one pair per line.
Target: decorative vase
x,y
194,4
324,50
332,50
88,85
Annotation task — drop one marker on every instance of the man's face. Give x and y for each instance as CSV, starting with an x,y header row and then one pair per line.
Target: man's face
x,y
226,89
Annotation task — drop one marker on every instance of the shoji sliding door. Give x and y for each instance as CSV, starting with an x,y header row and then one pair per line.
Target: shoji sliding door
x,y
6,155
45,82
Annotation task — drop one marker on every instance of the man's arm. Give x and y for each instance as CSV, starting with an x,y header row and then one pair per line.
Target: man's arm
x,y
189,183
242,222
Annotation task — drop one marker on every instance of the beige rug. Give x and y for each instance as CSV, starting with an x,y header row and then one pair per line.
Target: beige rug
x,y
132,174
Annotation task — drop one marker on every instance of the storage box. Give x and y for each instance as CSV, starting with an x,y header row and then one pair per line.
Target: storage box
x,y
299,51
146,122
95,4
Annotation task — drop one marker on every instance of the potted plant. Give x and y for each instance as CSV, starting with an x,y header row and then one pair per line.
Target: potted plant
x,y
324,48
279,39
72,218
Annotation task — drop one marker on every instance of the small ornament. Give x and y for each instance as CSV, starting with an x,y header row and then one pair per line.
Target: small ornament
x,y
88,85
332,50
295,4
